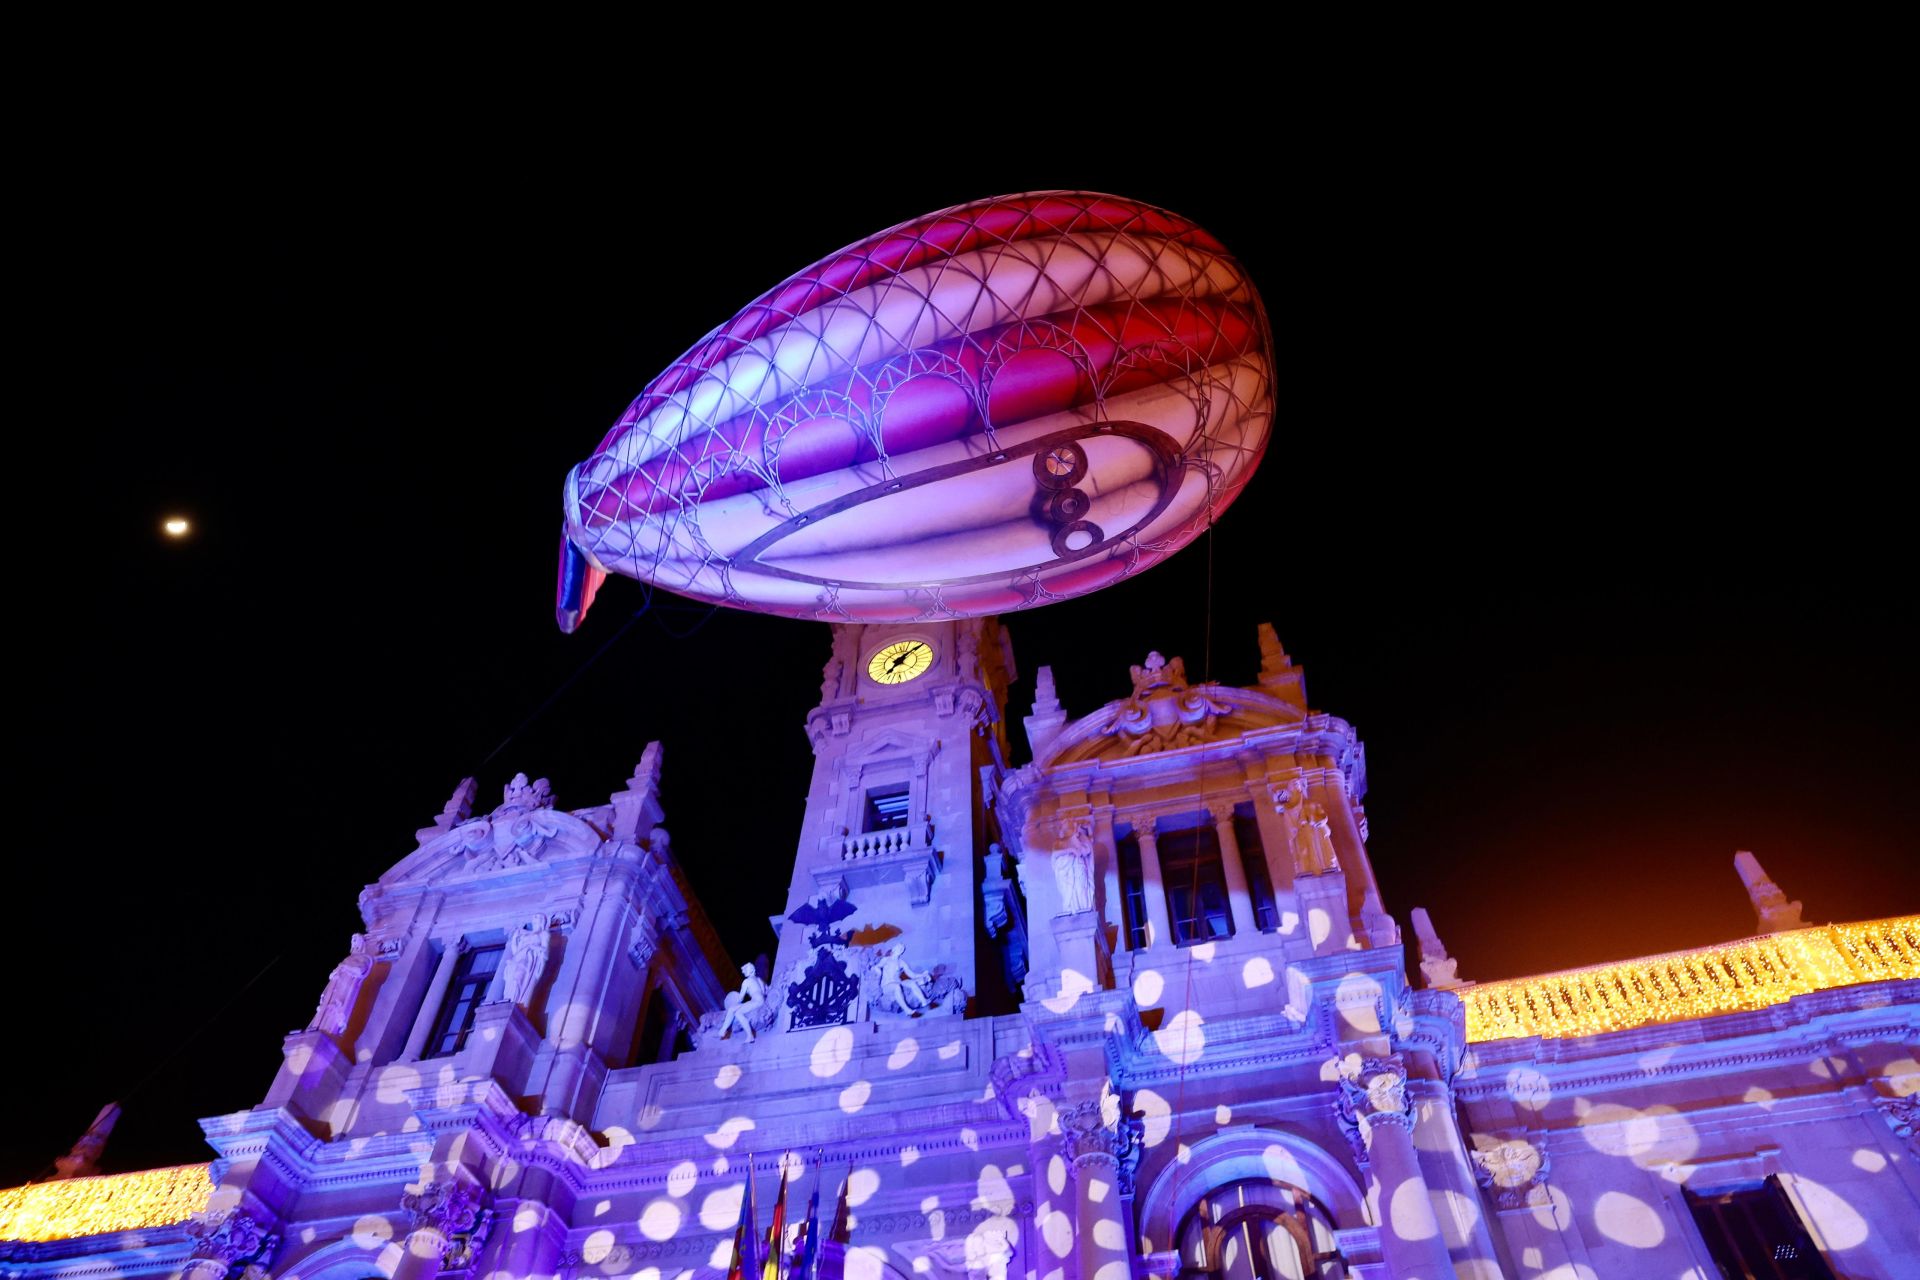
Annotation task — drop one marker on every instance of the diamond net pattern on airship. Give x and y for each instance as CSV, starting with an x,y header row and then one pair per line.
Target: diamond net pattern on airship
x,y
985,409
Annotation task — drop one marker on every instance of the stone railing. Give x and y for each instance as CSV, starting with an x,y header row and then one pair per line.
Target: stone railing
x,y
1729,978
881,844
103,1205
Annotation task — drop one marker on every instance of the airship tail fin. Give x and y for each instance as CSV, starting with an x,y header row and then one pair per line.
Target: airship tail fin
x,y
579,583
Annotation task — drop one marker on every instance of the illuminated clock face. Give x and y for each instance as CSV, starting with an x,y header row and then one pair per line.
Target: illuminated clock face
x,y
900,662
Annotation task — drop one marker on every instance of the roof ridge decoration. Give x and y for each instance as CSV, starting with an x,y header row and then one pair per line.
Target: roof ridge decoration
x,y
1165,713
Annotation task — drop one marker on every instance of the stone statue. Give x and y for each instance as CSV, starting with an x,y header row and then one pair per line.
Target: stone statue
x,y
1441,970
1315,848
1073,870
343,989
1164,712
743,1006
1157,673
898,981
527,950
1770,905
521,794
456,811
842,654
968,647
84,1159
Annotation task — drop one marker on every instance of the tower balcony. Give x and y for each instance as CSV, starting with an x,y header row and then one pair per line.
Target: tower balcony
x,y
904,854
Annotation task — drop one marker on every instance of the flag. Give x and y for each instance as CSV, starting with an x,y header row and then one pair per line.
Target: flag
x,y
737,1271
839,1232
750,1221
809,1236
777,1232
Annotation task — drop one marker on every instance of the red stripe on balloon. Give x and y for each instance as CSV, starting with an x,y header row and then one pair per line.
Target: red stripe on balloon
x,y
1162,338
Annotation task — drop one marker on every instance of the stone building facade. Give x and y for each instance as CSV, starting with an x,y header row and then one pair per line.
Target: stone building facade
x,y
1132,1008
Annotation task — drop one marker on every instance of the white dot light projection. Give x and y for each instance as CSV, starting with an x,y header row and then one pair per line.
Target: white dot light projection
x,y
1009,402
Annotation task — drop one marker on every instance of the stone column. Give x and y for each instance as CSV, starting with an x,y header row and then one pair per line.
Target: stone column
x,y
1239,897
436,996
1107,850
586,1005
1154,889
1099,1219
535,1241
1271,792
420,1254
1436,1133
1374,1102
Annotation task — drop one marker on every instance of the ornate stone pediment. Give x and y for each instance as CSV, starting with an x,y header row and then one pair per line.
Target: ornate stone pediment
x,y
506,839
885,746
1166,713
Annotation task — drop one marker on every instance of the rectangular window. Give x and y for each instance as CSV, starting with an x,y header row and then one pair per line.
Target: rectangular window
x,y
472,975
887,807
1196,885
1253,856
1755,1235
1133,894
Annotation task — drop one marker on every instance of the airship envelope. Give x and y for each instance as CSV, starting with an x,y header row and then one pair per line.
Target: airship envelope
x,y
993,407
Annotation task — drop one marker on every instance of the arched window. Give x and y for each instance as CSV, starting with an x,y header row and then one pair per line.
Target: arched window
x,y
1259,1229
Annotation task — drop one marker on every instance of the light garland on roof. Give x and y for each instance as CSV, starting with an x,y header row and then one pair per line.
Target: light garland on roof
x,y
103,1205
1730,978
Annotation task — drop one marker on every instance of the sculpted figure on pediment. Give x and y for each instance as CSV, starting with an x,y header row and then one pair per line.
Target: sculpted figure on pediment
x,y
1164,712
524,795
343,989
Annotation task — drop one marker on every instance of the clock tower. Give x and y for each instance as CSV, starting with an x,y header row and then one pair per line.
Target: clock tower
x,y
896,831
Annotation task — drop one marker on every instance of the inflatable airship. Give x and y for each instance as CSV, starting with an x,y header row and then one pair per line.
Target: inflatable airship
x,y
989,408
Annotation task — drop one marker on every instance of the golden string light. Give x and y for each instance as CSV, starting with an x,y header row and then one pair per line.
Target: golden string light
x,y
1729,978
103,1205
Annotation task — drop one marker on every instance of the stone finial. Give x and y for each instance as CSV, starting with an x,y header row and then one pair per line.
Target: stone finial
x,y
1776,914
522,794
84,1159
458,809
637,811
1440,969
1278,675
1158,672
1048,717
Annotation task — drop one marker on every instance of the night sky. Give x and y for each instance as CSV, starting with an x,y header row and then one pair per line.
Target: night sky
x,y
1580,508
